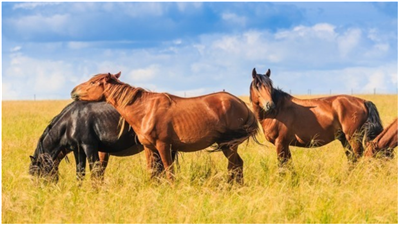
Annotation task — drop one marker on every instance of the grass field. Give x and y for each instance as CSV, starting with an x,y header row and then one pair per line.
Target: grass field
x,y
322,190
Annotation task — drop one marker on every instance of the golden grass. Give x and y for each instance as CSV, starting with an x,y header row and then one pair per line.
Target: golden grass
x,y
322,188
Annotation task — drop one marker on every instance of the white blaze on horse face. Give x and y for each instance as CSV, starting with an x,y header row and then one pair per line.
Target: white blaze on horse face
x,y
265,99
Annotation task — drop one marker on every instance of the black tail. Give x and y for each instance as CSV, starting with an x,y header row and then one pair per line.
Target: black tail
x,y
372,127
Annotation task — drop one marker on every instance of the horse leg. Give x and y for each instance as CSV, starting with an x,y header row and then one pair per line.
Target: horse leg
x,y
165,152
104,157
283,154
348,148
235,165
154,163
94,161
80,159
356,145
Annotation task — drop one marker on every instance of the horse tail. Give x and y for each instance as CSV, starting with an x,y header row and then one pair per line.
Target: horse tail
x,y
253,126
373,126
249,130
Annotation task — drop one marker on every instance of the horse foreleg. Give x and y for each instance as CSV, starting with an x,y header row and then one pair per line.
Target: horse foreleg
x,y
165,152
154,163
235,165
283,154
80,159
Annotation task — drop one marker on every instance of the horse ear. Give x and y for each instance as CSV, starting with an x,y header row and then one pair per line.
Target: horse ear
x,y
118,74
268,73
254,73
107,77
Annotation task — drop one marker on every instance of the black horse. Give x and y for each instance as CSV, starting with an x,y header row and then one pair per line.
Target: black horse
x,y
82,127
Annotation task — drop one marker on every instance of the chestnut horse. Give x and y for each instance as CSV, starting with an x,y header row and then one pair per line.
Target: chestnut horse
x,y
385,142
287,120
163,121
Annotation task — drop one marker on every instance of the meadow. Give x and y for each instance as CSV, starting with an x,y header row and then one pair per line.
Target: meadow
x,y
321,189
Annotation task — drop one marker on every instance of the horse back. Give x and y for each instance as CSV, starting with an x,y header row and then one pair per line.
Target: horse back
x,y
196,123
97,124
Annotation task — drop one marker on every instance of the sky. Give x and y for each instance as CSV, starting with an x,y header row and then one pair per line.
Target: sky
x,y
195,48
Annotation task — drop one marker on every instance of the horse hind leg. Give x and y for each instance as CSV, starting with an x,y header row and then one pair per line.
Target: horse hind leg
x,y
235,164
80,159
347,147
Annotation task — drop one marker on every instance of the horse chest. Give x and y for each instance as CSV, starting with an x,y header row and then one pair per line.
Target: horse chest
x,y
272,129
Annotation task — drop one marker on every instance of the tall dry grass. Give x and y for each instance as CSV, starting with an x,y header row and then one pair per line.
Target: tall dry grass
x,y
321,189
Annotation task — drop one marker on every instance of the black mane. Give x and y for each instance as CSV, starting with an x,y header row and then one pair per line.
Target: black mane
x,y
278,95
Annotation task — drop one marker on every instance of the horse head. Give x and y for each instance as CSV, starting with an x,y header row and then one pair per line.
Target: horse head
x,y
93,89
43,166
261,91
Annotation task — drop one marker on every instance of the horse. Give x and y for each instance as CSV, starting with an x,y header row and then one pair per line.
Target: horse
x,y
165,122
80,127
385,142
289,121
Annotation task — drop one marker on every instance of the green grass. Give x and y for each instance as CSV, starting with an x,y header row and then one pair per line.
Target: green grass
x,y
322,188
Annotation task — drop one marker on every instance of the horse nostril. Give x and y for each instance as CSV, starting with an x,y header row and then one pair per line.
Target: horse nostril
x,y
74,96
269,106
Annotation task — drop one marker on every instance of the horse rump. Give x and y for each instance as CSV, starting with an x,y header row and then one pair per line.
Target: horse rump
x,y
235,137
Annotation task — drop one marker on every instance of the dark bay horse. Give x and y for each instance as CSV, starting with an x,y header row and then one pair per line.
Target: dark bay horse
x,y
287,120
163,121
84,127
385,142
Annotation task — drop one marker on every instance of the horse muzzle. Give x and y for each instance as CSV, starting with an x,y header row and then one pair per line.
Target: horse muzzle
x,y
74,94
269,106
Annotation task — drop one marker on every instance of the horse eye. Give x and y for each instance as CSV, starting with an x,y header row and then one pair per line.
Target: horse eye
x,y
92,82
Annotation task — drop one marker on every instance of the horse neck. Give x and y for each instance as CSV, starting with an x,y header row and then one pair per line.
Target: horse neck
x,y
50,142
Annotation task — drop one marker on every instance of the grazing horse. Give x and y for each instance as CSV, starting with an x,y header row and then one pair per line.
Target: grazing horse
x,y
385,142
287,120
81,127
163,121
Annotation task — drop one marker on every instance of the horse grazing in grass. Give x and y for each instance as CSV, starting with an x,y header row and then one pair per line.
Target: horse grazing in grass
x,y
164,122
84,128
385,142
287,120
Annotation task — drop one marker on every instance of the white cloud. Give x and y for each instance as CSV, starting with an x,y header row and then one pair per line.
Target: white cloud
x,y
144,74
349,41
37,24
33,5
234,19
16,49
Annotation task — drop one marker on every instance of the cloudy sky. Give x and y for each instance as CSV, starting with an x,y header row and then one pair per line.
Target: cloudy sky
x,y
196,48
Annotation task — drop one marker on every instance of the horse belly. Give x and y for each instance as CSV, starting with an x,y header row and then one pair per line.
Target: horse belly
x,y
195,140
316,138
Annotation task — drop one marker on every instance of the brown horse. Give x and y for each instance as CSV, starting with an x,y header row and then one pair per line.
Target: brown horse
x,y
163,121
385,142
287,120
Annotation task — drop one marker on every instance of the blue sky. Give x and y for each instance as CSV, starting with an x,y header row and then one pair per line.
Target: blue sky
x,y
197,48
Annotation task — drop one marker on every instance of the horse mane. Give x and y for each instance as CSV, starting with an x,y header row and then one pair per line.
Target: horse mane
x,y
278,95
124,94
